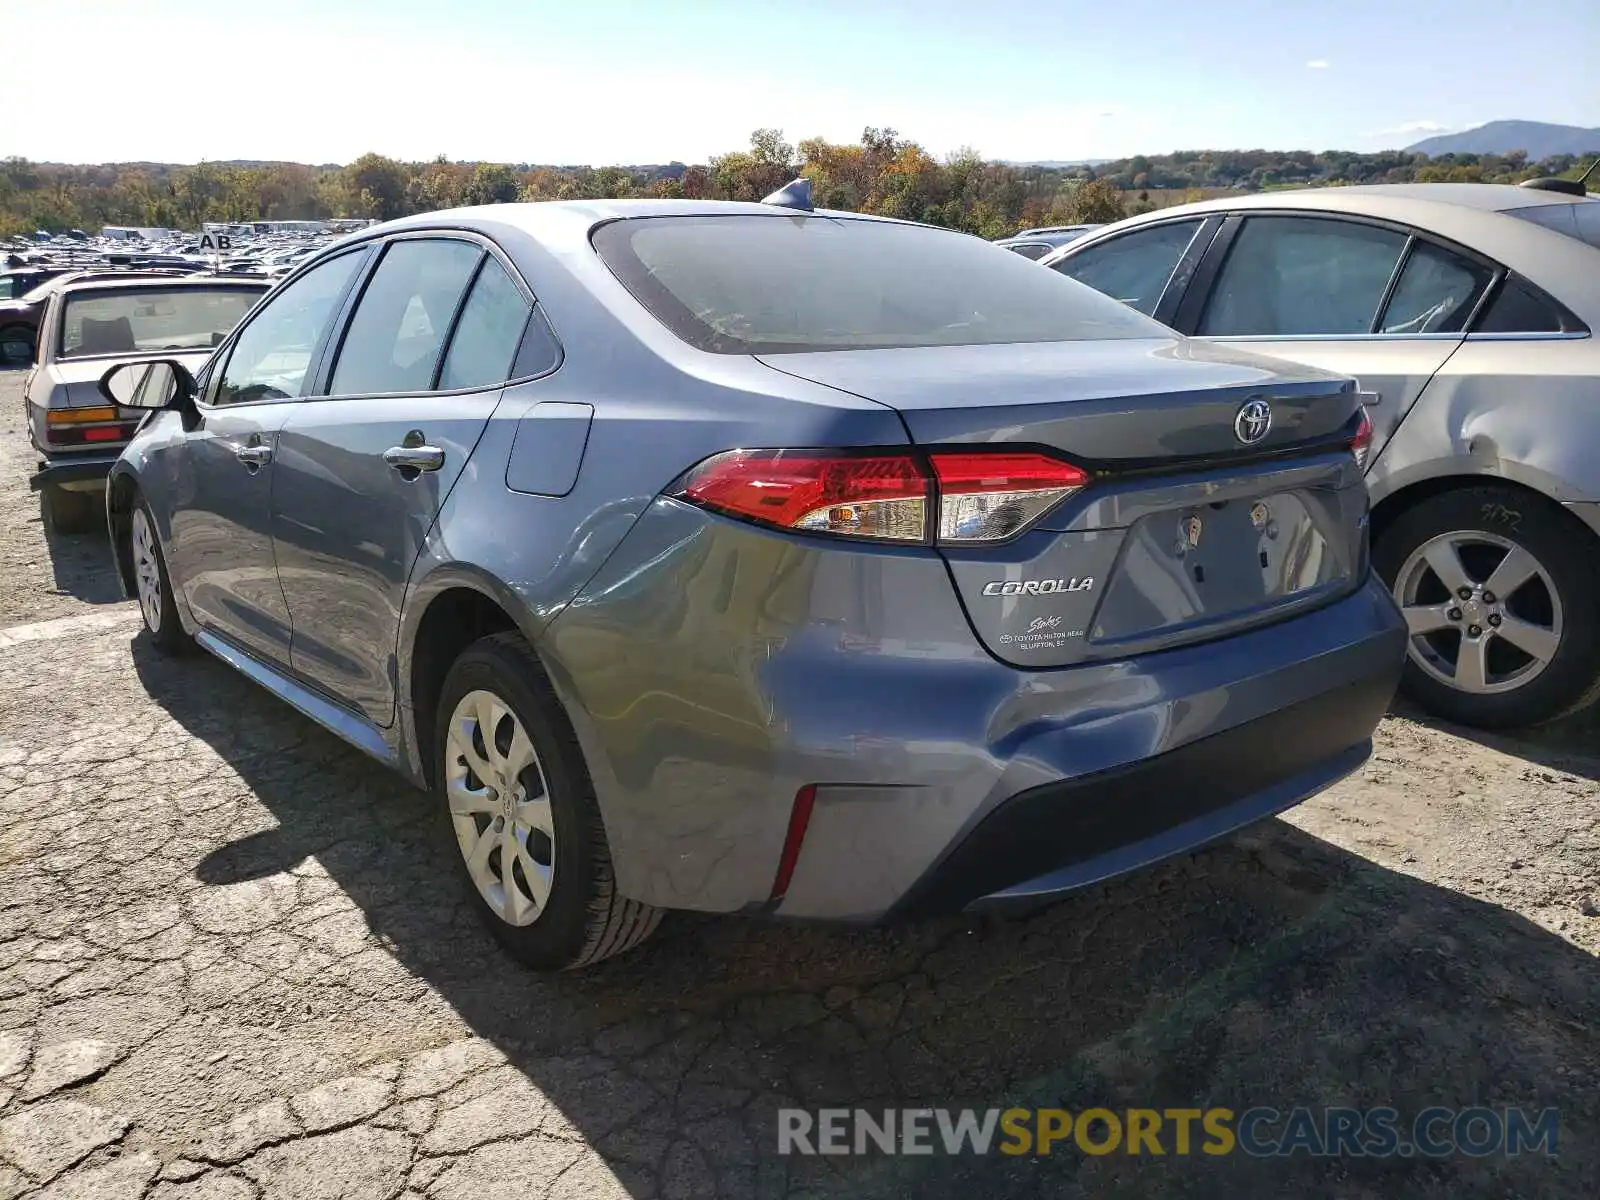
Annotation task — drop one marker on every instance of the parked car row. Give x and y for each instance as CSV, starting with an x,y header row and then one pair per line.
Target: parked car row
x,y
716,556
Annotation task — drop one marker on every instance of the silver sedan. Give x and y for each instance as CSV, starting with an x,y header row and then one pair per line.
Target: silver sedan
x,y
1466,310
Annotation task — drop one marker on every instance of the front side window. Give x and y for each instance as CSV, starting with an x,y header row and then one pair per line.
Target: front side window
x,y
792,283
1302,276
1134,267
1436,293
399,327
488,334
140,320
272,354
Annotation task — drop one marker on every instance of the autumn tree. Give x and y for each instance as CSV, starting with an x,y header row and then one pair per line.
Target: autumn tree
x,y
491,183
1096,203
377,185
882,172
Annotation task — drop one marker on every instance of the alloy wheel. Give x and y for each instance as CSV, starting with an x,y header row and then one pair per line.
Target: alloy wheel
x,y
500,807
146,570
1483,613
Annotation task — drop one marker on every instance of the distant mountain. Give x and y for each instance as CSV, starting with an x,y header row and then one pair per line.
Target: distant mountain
x,y
1539,139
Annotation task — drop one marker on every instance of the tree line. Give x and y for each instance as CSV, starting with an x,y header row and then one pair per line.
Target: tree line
x,y
882,173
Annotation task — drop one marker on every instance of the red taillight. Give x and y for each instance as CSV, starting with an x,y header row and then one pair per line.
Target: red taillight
x,y
1361,443
971,496
77,435
987,497
879,496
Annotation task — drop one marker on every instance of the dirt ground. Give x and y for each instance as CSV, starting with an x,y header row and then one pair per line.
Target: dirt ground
x,y
233,965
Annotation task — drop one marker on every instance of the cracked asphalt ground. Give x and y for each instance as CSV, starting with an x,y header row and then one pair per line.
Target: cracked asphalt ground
x,y
233,964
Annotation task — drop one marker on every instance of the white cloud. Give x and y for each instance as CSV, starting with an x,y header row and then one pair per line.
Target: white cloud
x,y
1318,64
1409,127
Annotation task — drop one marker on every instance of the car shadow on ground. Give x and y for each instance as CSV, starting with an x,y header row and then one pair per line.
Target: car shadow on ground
x,y
82,566
1275,969
1571,744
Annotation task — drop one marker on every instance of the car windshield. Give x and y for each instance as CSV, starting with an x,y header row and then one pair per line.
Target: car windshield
x,y
136,320
787,284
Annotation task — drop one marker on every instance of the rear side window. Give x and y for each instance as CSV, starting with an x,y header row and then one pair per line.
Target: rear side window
x,y
785,284
404,315
1517,308
1300,276
1133,267
1579,219
1436,293
487,336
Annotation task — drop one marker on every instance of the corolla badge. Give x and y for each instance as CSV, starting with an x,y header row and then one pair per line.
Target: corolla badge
x,y
1253,421
1037,587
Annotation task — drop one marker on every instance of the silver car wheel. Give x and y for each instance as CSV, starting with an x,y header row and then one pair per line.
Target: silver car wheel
x,y
1484,614
147,570
500,807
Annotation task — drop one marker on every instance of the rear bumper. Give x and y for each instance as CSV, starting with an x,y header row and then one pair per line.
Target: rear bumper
x,y
1058,837
714,671
1090,787
72,468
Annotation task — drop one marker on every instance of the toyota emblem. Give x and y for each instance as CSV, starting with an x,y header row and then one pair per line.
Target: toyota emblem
x,y
1253,421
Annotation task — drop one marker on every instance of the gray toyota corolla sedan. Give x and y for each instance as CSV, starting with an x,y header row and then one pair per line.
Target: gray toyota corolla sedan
x,y
744,558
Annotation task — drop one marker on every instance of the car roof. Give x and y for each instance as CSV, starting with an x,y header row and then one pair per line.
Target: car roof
x,y
164,282
1483,197
559,221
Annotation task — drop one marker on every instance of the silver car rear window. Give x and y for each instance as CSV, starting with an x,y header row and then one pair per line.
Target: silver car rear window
x,y
138,320
751,284
1580,219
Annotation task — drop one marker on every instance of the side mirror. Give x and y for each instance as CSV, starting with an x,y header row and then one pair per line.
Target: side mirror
x,y
158,383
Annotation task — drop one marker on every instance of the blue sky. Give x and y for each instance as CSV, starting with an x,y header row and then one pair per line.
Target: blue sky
x,y
602,81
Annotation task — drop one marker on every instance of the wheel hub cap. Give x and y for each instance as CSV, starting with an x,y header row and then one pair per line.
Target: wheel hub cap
x,y
146,571
1484,613
500,807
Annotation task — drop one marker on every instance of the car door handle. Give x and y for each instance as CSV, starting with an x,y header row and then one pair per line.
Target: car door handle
x,y
414,458
254,456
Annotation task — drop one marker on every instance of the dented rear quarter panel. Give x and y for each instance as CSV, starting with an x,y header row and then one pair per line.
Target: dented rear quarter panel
x,y
1527,411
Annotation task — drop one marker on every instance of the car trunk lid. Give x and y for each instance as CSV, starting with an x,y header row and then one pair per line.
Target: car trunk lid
x,y
1190,528
1156,401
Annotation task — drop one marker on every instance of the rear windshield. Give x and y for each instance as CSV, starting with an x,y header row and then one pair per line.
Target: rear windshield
x,y
1580,219
786,284
134,320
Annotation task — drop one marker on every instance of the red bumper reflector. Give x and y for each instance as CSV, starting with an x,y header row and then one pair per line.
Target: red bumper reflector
x,y
799,818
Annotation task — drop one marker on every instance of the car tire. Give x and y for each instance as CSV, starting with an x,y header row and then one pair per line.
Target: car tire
x,y
1553,608
534,803
153,586
69,513
16,346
